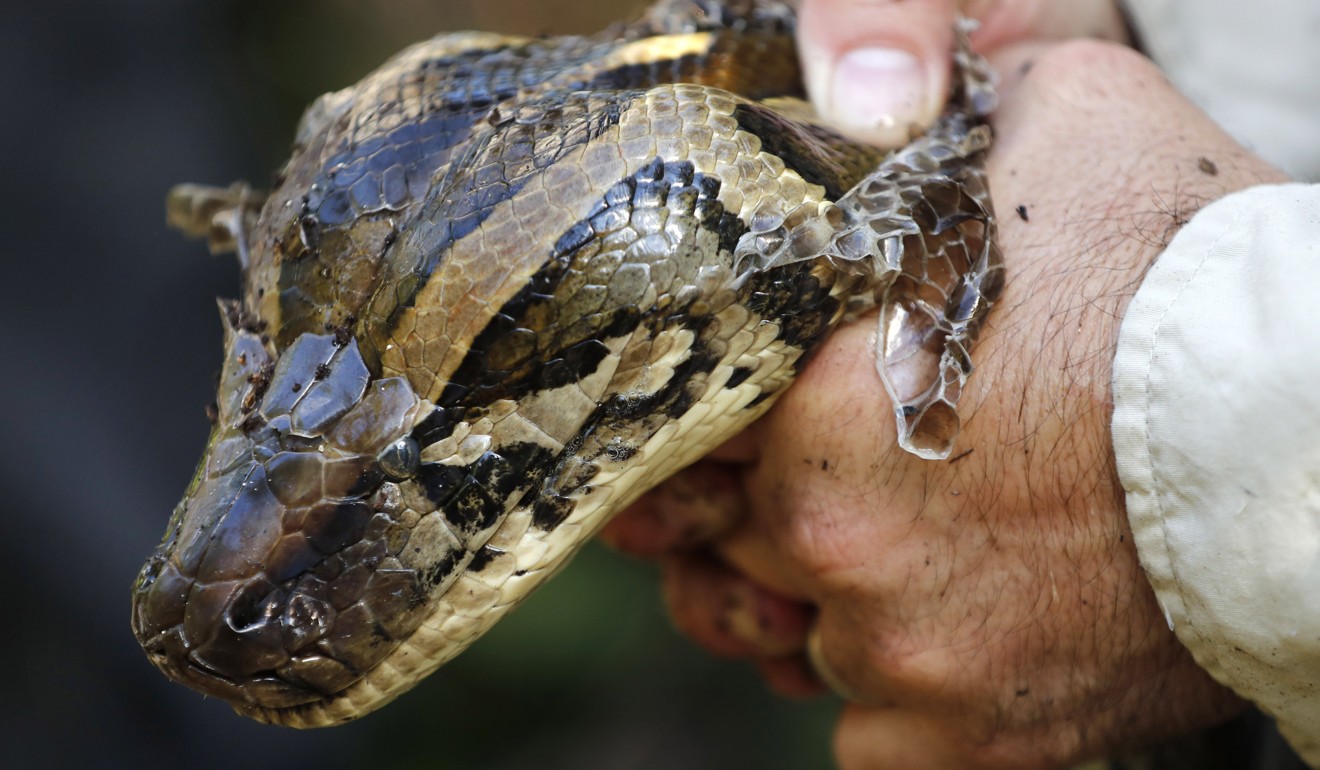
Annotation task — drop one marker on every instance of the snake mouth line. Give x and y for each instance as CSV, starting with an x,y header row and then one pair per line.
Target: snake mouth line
x,y
263,689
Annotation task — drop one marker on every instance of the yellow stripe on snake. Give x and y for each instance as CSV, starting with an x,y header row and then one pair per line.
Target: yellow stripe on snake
x,y
503,287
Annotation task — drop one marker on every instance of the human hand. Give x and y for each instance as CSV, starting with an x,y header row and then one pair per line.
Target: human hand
x,y
988,611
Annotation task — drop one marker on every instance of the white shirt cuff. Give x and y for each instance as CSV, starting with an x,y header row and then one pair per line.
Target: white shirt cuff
x,y
1216,431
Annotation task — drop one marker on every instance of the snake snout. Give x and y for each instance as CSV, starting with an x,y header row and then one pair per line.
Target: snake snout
x,y
240,656
266,604
213,607
279,582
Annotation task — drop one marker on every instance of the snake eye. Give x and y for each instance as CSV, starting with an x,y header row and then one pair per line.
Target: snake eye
x,y
399,460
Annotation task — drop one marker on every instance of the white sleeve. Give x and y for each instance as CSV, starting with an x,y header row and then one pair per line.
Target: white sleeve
x,y
1216,431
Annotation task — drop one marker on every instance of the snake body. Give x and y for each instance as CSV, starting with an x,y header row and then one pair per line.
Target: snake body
x,y
503,287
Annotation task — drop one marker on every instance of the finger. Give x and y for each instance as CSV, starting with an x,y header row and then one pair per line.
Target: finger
x,y
696,506
838,652
728,614
871,739
752,551
877,69
791,676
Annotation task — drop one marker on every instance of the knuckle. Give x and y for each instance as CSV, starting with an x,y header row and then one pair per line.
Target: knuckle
x,y
821,551
699,597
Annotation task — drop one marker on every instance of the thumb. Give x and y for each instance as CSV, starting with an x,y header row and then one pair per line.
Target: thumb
x,y
876,70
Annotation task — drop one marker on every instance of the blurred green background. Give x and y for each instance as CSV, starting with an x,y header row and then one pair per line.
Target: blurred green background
x,y
112,342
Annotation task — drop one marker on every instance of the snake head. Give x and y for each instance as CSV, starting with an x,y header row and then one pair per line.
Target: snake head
x,y
274,585
509,286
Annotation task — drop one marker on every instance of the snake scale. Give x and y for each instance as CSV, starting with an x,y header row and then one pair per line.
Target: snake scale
x,y
503,287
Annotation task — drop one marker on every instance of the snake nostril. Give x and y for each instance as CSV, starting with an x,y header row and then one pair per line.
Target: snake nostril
x,y
238,636
254,607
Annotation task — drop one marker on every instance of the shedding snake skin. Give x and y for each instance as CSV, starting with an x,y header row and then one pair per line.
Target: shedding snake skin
x,y
503,287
